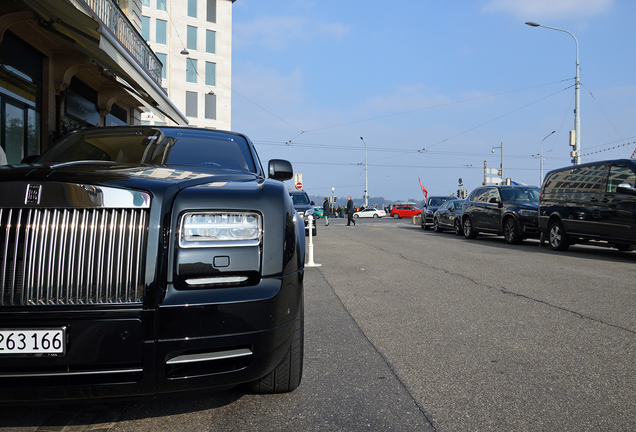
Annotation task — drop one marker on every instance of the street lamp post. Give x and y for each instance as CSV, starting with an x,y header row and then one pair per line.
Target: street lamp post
x,y
366,184
577,85
333,204
501,167
541,157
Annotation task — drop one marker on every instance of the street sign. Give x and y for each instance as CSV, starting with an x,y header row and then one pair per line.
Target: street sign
x,y
299,185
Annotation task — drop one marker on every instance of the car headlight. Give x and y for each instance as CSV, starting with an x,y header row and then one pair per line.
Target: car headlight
x,y
215,229
429,212
529,213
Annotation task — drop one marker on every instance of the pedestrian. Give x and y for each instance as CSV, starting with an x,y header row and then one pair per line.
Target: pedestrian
x,y
350,209
326,211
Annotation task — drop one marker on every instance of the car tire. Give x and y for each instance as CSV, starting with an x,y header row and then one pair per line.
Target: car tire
x,y
436,226
396,216
469,232
557,238
511,231
375,216
287,375
623,247
355,216
458,227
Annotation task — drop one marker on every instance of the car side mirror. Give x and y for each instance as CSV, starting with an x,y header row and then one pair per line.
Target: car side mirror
x,y
625,188
493,200
280,169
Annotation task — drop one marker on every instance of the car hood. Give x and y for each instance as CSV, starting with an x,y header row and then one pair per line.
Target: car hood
x,y
524,205
125,176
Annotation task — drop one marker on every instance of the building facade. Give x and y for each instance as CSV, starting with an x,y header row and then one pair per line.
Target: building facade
x,y
193,40
66,65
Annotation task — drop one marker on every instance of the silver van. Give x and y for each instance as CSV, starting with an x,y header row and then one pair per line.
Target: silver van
x,y
590,203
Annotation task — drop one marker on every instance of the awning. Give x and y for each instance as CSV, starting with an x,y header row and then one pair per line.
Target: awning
x,y
94,40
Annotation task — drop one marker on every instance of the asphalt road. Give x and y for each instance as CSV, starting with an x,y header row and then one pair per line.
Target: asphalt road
x,y
409,330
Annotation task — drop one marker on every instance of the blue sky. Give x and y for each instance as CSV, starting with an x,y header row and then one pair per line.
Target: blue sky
x,y
432,87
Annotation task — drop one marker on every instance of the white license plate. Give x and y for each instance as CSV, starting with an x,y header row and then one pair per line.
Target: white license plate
x,y
49,342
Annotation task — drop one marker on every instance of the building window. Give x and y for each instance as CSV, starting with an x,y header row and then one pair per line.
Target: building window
x,y
192,38
192,8
161,31
162,5
163,58
145,27
191,104
211,11
145,3
210,41
210,106
191,70
210,73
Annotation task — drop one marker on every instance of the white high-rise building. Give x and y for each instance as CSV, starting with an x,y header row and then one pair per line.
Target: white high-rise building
x,y
193,40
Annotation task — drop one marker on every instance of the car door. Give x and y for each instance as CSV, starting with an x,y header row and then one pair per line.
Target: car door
x,y
443,214
477,207
492,210
617,207
586,186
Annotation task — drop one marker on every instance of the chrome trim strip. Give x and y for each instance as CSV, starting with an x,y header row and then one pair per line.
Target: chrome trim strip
x,y
216,280
60,374
221,355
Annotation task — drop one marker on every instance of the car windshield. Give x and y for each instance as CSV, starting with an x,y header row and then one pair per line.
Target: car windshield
x,y
300,199
436,201
458,205
154,146
520,194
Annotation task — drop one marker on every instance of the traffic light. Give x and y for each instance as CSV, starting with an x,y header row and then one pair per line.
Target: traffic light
x,y
459,193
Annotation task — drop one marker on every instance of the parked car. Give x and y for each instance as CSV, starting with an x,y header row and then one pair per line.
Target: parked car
x,y
304,208
369,213
510,211
430,207
592,202
319,212
449,216
400,211
139,261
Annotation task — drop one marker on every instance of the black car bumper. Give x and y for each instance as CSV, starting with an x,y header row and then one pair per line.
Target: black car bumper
x,y
135,352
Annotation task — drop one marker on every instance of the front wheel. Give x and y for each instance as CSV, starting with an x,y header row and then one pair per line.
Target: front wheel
x,y
469,232
436,226
511,232
355,216
396,216
557,238
288,374
458,227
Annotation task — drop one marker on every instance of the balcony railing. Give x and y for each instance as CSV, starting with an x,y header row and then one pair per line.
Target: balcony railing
x,y
114,19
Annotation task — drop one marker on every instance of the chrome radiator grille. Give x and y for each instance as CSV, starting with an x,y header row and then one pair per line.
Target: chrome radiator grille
x,y
72,256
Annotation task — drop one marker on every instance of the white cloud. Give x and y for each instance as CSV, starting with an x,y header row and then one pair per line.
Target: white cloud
x,y
277,33
535,9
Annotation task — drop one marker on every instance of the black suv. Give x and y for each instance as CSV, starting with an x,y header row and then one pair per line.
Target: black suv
x,y
510,211
430,206
304,208
592,202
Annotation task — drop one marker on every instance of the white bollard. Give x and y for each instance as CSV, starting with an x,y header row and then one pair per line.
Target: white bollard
x,y
310,259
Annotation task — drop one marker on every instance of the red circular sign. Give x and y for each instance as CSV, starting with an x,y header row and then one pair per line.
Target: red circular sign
x,y
299,185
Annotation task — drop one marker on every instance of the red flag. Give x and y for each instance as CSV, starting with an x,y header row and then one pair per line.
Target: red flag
x,y
423,188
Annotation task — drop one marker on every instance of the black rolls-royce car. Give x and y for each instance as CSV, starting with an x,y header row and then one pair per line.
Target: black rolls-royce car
x,y
145,260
